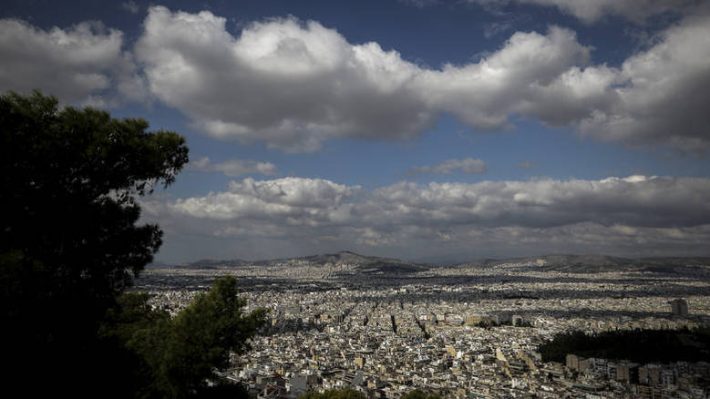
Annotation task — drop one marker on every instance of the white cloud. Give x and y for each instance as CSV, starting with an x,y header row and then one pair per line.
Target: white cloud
x,y
84,63
290,200
609,215
233,167
466,165
294,85
636,201
509,81
663,93
590,11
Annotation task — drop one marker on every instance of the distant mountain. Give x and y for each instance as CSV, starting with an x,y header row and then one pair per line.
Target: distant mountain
x,y
216,263
366,264
452,259
593,263
343,257
556,260
569,263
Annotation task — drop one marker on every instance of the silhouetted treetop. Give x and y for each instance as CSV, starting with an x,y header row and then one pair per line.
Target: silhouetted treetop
x,y
70,241
70,178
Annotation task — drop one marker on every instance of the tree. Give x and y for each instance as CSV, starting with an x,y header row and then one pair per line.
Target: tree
x,y
419,394
69,238
214,327
177,356
346,393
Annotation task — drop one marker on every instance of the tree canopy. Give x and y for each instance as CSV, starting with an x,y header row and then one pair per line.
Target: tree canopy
x,y
668,345
68,206
345,393
177,356
419,394
349,393
70,241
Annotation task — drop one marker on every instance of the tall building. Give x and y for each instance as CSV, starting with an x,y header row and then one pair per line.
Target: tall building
x,y
679,307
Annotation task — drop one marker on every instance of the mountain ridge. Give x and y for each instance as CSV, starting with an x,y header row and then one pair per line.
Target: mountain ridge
x,y
553,262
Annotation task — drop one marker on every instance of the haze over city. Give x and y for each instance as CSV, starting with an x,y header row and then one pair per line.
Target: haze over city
x,y
418,129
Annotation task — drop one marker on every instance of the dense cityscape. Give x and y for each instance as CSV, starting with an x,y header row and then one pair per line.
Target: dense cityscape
x,y
387,327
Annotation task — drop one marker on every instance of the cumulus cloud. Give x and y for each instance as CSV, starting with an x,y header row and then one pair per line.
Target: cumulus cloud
x,y
295,85
662,94
547,213
233,167
290,84
636,201
510,81
84,63
466,165
590,11
291,200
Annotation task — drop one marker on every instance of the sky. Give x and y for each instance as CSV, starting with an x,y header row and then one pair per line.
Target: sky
x,y
418,129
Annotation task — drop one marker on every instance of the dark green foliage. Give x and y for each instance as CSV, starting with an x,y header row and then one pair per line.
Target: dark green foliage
x,y
346,393
223,391
69,238
177,356
642,346
204,333
418,394
70,245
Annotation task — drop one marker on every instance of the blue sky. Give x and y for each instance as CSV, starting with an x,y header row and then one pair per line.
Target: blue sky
x,y
416,129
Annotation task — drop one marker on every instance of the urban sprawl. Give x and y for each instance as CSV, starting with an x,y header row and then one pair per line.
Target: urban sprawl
x,y
465,331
